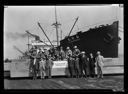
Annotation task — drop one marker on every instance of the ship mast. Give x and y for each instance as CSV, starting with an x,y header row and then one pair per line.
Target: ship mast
x,y
28,42
56,24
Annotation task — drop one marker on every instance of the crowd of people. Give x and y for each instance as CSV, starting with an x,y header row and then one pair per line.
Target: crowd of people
x,y
79,64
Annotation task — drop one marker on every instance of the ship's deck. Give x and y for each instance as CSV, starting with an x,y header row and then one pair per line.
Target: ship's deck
x,y
109,82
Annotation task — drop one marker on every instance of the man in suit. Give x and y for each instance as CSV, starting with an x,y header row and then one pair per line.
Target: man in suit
x,y
42,64
49,63
92,65
56,54
34,65
51,52
38,59
76,54
62,54
70,62
99,65
84,64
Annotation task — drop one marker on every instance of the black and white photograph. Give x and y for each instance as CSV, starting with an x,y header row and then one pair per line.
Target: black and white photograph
x,y
67,47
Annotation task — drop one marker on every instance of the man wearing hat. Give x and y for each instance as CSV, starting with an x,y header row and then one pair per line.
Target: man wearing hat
x,y
99,65
51,52
62,53
49,63
38,59
76,54
84,64
34,66
56,53
92,65
42,63
70,61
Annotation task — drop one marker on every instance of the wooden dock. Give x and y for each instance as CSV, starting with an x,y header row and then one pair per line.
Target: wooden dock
x,y
109,82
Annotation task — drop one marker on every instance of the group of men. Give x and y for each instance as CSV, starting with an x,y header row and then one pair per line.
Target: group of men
x,y
40,62
79,65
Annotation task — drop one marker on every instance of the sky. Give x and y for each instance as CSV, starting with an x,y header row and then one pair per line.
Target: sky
x,y
18,19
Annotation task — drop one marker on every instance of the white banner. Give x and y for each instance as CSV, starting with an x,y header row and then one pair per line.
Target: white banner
x,y
60,64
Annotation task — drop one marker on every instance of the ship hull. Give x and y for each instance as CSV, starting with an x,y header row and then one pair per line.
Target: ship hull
x,y
104,39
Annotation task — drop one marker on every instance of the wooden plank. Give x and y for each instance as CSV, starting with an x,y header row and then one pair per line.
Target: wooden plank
x,y
109,82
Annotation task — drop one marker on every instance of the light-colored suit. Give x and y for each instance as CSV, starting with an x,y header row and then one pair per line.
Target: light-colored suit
x,y
99,65
42,68
99,61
